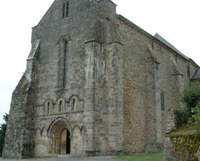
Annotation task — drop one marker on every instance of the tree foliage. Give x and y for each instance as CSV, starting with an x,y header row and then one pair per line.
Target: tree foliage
x,y
191,99
196,117
182,116
3,132
191,96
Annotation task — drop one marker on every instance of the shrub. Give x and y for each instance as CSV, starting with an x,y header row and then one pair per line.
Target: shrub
x,y
3,133
191,96
182,116
196,117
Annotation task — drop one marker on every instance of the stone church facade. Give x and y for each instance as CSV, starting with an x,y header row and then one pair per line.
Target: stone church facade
x,y
95,84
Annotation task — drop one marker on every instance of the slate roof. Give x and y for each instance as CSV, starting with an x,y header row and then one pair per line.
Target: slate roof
x,y
160,38
196,75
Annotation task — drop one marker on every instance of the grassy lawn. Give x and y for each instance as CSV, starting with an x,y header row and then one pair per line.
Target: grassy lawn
x,y
186,129
144,157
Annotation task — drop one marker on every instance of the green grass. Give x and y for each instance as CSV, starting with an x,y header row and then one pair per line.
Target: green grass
x,y
144,157
186,129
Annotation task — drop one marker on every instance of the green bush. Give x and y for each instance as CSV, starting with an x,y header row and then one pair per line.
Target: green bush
x,y
3,133
191,96
196,117
182,116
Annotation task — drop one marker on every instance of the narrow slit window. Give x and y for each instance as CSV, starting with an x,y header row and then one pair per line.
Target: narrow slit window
x,y
162,101
60,107
65,65
67,9
74,105
48,108
63,13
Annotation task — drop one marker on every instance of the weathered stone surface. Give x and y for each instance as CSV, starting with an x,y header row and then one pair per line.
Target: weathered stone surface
x,y
150,69
99,78
175,153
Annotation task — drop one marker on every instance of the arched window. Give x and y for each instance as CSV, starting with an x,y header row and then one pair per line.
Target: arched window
x,y
60,107
48,108
65,64
74,105
162,101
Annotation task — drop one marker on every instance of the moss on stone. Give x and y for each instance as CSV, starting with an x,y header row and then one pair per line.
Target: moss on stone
x,y
26,86
186,145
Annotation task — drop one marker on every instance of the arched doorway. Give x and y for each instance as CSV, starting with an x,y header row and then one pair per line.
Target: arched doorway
x,y
60,137
65,141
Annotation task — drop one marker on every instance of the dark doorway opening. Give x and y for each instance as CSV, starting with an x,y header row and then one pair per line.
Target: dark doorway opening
x,y
68,143
65,141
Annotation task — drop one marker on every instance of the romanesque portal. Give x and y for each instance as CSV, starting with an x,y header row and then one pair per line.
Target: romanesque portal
x,y
60,141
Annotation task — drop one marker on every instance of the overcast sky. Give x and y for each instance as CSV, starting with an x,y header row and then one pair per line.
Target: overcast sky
x,y
175,20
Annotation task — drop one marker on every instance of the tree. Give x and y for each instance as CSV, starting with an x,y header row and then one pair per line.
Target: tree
x,y
191,96
3,132
196,117
190,113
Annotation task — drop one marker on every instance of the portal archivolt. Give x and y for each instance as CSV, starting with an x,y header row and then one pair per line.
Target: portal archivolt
x,y
60,140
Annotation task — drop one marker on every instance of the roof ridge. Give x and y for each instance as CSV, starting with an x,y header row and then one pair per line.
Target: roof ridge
x,y
164,41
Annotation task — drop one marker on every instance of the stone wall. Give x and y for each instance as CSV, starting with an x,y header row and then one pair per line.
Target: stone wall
x,y
150,69
87,72
19,142
13,149
136,93
182,147
75,83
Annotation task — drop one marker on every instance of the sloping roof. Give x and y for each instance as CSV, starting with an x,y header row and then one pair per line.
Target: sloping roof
x,y
156,36
160,38
196,75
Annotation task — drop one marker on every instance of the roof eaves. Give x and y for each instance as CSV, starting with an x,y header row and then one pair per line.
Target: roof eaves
x,y
157,37
160,38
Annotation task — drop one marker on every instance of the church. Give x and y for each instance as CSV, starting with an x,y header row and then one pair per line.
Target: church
x,y
95,84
